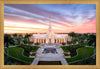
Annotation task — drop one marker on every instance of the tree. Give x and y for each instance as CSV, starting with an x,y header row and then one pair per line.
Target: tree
x,y
63,43
92,40
18,39
8,40
85,34
74,40
82,38
20,35
14,35
72,34
25,41
27,37
37,43
68,42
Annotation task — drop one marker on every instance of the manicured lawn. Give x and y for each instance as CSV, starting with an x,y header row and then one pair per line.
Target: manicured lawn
x,y
82,54
34,49
71,49
28,49
12,61
17,53
89,61
65,49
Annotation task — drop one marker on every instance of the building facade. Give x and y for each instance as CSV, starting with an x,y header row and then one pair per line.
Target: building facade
x,y
50,37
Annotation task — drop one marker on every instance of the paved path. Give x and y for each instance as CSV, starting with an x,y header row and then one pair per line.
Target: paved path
x,y
49,56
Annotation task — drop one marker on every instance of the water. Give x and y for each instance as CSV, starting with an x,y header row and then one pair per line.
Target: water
x,y
50,50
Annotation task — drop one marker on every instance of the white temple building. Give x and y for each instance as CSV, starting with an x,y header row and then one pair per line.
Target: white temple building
x,y
50,37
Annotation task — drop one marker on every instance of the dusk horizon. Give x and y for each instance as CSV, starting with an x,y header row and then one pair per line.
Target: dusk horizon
x,y
34,18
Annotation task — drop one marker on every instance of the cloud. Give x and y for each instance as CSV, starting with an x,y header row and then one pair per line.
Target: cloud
x,y
63,16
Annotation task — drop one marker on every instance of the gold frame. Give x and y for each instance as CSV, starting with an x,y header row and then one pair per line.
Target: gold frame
x,y
2,2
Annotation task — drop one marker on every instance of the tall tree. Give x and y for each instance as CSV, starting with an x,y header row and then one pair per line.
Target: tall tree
x,y
8,40
92,40
20,35
27,37
15,35
72,34
18,39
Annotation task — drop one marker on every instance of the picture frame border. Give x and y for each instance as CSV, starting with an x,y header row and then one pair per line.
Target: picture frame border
x,y
2,2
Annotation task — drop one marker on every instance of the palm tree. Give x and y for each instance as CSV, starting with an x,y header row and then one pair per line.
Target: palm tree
x,y
8,40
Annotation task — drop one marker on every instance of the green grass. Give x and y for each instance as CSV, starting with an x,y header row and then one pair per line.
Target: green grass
x,y
89,61
34,49
28,49
82,54
65,49
17,53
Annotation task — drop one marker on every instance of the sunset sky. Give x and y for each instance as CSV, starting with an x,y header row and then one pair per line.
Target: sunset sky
x,y
34,18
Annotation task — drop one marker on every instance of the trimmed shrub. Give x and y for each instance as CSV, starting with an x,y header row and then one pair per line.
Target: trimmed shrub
x,y
37,43
63,43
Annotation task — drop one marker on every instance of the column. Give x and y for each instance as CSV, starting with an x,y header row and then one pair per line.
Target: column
x,y
38,40
64,40
34,40
56,40
42,40
61,40
45,41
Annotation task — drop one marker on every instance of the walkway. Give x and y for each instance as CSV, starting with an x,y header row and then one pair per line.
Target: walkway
x,y
49,56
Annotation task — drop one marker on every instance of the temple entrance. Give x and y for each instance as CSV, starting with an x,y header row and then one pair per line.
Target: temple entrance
x,y
49,41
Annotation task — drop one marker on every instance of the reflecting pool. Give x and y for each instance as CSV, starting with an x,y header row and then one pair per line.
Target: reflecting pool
x,y
49,50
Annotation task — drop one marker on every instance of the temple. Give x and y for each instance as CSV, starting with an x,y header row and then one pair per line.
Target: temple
x,y
50,37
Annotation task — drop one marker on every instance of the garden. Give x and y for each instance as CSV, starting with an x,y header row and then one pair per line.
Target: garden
x,y
28,49
78,52
22,52
18,54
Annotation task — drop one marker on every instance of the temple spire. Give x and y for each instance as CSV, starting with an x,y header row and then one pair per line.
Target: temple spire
x,y
49,21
